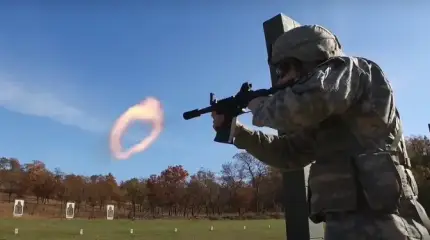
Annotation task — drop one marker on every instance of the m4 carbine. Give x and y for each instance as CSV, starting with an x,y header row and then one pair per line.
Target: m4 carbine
x,y
230,107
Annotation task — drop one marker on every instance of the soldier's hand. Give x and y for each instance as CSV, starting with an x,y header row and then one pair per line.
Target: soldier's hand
x,y
218,120
255,103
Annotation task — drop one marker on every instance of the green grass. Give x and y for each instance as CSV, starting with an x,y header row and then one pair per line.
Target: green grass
x,y
145,229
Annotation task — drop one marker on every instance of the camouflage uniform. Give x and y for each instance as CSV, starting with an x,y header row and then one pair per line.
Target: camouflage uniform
x,y
343,116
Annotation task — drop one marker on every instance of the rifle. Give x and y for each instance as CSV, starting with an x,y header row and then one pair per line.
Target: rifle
x,y
231,107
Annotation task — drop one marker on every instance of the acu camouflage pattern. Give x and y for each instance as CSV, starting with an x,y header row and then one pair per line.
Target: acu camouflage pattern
x,y
308,43
343,117
361,226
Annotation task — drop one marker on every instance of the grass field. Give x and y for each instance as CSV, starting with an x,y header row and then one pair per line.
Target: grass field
x,y
149,229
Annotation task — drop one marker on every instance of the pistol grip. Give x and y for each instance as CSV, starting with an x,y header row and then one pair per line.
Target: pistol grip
x,y
223,132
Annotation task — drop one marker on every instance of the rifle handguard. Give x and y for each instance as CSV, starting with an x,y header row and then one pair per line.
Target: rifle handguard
x,y
232,107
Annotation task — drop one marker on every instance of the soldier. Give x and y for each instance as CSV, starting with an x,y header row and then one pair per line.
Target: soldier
x,y
339,112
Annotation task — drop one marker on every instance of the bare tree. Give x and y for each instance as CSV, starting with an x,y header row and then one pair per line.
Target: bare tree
x,y
255,171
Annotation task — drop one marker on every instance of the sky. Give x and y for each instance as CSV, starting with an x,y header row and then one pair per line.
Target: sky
x,y
68,70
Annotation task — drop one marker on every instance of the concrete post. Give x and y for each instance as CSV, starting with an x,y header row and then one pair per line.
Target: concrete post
x,y
295,203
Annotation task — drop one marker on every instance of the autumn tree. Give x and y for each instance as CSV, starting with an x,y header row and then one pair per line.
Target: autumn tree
x,y
156,196
173,181
210,189
107,189
41,180
271,190
419,152
12,178
75,189
233,177
59,189
255,171
135,191
92,193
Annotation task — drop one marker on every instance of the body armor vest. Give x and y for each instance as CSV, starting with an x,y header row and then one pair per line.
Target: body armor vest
x,y
362,161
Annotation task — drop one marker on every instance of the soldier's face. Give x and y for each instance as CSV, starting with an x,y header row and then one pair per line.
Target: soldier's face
x,y
286,76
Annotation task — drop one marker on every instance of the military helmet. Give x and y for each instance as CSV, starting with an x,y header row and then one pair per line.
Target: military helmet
x,y
307,43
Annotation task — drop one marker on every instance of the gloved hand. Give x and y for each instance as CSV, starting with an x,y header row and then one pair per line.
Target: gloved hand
x,y
254,105
218,120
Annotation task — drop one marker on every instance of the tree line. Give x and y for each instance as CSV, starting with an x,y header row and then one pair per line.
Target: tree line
x,y
243,186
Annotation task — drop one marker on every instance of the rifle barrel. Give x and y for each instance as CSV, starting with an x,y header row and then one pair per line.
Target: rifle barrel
x,y
197,112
